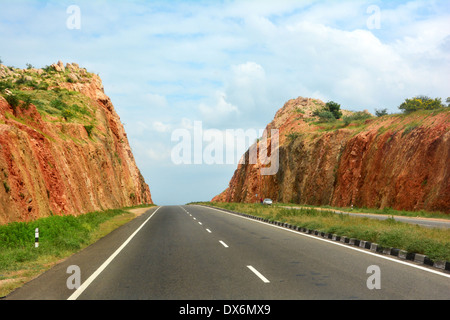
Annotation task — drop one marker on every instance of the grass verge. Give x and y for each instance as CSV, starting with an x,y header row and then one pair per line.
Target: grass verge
x,y
385,211
59,238
433,242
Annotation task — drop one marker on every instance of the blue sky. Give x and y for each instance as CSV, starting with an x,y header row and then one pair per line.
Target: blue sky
x,y
232,64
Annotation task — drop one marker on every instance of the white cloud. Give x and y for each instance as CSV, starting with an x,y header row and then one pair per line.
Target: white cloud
x,y
161,127
220,113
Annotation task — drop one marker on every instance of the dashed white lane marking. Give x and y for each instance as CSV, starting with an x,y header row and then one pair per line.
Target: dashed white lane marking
x,y
224,244
256,272
264,279
340,244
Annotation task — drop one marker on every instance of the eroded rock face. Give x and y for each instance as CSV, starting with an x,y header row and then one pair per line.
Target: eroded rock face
x,y
398,161
53,163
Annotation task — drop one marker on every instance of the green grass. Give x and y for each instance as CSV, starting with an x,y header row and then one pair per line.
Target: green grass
x,y
435,243
385,211
60,106
58,102
59,237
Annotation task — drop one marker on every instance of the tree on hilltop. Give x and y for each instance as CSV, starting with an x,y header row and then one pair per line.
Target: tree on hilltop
x,y
380,113
330,112
334,108
421,103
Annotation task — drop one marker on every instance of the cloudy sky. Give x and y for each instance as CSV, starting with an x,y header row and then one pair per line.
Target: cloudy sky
x,y
172,65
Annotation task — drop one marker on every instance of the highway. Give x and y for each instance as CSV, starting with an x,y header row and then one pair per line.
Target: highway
x,y
200,253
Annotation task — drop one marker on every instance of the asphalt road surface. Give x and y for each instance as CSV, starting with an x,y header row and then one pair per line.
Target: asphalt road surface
x,y
199,253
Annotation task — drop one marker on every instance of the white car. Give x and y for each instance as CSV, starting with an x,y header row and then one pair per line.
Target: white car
x,y
267,201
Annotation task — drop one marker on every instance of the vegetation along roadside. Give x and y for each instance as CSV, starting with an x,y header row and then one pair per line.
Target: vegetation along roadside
x,y
59,238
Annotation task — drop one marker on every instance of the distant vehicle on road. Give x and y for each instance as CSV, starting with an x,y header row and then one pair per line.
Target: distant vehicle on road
x,y
267,201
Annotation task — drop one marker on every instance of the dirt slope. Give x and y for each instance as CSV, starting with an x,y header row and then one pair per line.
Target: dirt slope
x,y
397,161
63,148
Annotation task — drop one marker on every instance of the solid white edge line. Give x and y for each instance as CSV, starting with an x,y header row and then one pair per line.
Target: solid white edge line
x,y
264,279
223,243
86,284
339,244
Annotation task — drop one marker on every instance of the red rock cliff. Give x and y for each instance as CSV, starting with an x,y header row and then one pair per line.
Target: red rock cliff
x,y
63,148
397,161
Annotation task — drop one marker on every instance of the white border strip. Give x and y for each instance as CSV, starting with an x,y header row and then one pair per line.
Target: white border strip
x,y
86,284
336,243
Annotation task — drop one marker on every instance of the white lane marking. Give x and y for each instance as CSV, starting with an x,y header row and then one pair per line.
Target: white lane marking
x,y
264,279
195,219
200,223
223,243
86,284
338,244
208,230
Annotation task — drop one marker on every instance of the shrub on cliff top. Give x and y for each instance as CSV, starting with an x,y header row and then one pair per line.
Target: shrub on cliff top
x,y
334,108
360,115
381,113
421,103
330,112
325,116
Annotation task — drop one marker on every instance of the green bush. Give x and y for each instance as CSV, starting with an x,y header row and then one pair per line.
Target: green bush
x,y
8,84
67,114
334,108
329,113
58,104
6,186
421,103
42,86
293,136
13,101
326,116
360,115
89,129
381,113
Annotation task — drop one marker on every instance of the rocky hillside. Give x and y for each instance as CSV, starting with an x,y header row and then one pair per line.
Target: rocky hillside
x,y
63,148
398,161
